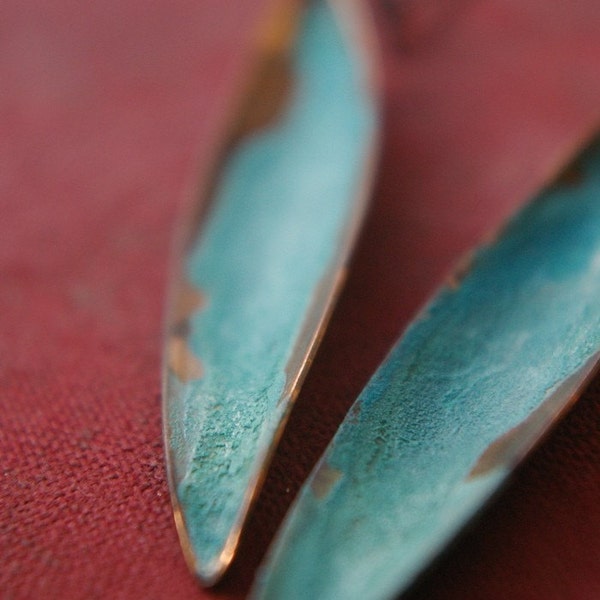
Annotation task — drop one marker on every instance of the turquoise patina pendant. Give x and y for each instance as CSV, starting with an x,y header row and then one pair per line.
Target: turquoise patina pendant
x,y
487,367
259,274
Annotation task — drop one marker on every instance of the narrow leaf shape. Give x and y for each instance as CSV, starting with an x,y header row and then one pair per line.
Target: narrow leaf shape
x,y
483,372
258,280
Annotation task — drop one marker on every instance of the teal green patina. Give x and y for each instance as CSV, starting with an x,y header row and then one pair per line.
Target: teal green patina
x,y
468,389
282,220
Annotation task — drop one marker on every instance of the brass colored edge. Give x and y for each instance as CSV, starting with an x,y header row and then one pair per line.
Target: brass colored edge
x,y
512,447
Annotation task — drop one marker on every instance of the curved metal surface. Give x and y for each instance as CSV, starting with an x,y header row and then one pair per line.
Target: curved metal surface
x,y
484,371
261,271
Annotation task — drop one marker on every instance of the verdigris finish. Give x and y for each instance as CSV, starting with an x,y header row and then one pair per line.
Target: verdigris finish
x,y
471,385
258,283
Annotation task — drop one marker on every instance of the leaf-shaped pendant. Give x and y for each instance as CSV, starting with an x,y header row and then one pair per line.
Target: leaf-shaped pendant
x,y
258,276
485,370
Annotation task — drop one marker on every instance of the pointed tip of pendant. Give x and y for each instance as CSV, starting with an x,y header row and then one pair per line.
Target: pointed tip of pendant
x,y
210,574
210,568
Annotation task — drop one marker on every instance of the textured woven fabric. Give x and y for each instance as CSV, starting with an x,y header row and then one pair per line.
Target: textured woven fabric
x,y
108,111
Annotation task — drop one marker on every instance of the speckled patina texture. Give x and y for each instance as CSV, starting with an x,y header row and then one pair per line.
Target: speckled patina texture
x,y
467,390
284,213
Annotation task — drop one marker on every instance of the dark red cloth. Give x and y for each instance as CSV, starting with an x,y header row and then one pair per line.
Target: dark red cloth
x,y
108,111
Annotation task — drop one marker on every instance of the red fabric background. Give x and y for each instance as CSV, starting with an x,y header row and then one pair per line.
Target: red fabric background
x,y
107,113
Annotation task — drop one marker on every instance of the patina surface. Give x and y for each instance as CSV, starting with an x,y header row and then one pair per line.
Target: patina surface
x,y
485,369
266,267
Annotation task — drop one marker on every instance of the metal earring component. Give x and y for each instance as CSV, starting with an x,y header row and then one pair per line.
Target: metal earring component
x,y
259,271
